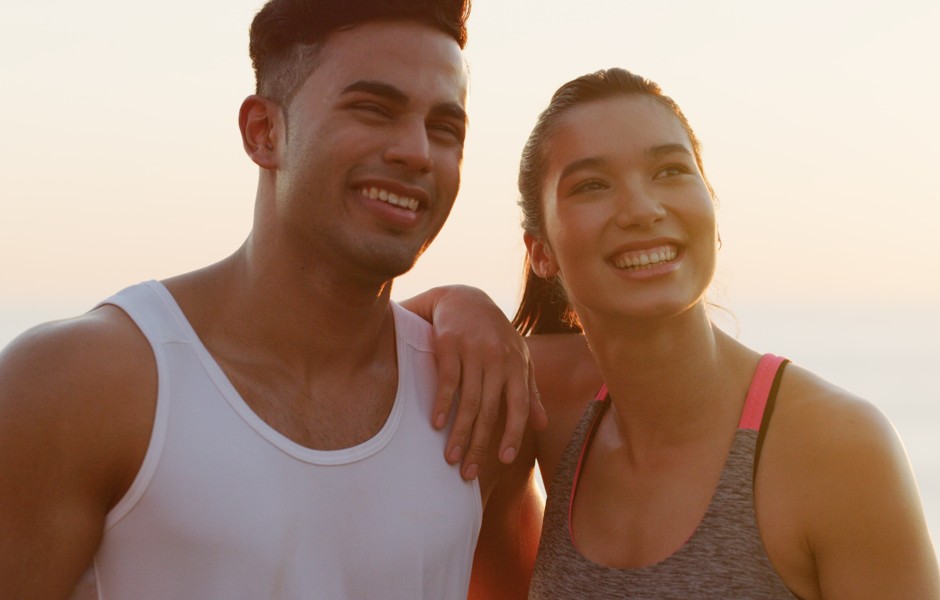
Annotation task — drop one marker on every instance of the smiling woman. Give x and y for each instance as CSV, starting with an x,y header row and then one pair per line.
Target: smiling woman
x,y
605,166
611,172
702,468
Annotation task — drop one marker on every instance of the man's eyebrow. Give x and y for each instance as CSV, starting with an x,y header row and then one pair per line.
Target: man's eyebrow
x,y
377,88
394,94
452,110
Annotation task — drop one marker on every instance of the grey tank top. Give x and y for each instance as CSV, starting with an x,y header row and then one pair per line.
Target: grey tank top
x,y
724,558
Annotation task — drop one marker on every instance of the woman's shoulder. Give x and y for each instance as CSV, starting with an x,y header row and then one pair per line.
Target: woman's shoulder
x,y
565,370
829,429
825,416
568,379
835,488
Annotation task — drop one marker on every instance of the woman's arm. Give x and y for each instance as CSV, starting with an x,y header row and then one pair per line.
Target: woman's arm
x,y
870,535
851,494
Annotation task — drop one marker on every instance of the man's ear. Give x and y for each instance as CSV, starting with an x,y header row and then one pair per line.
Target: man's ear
x,y
261,123
540,256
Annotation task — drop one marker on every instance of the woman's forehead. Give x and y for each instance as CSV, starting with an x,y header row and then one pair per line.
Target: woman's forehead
x,y
621,123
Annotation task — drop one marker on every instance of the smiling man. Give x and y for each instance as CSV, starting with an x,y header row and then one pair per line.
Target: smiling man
x,y
261,428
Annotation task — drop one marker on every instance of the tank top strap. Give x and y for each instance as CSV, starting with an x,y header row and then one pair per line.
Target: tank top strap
x,y
763,386
593,414
155,312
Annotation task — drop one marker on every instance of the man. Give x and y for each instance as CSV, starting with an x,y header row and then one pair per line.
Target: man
x,y
260,428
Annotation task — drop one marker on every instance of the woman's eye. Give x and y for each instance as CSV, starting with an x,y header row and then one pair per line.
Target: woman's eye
x,y
671,171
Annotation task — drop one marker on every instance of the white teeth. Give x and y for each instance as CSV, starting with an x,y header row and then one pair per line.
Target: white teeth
x,y
645,258
390,198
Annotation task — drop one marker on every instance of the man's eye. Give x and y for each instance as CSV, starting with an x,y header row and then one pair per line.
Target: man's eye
x,y
371,107
588,186
448,129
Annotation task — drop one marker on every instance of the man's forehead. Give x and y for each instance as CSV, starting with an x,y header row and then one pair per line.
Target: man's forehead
x,y
384,37
414,58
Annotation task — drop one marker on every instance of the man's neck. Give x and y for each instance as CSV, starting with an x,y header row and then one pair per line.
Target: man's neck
x,y
297,347
295,313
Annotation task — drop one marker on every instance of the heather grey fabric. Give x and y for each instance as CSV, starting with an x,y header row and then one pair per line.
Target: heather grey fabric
x,y
724,558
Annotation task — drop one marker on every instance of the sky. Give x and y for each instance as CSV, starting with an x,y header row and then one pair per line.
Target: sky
x,y
818,119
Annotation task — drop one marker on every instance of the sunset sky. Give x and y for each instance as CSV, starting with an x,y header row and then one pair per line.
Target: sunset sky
x,y
819,121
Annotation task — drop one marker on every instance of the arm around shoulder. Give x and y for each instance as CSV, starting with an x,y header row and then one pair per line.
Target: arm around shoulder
x,y
76,405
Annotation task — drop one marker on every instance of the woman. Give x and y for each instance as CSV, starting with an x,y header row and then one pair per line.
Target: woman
x,y
675,482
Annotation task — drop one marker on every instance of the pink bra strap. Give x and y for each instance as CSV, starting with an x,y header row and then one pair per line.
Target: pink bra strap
x,y
759,391
601,396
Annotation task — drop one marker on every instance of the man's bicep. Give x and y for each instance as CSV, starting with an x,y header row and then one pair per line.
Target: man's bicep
x,y
48,527
63,452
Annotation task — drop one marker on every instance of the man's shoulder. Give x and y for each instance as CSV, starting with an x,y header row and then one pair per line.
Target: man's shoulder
x,y
412,329
77,400
74,357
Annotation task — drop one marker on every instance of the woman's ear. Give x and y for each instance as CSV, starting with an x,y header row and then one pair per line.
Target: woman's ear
x,y
540,256
261,123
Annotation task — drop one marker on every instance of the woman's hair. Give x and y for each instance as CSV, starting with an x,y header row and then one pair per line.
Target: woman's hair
x,y
544,307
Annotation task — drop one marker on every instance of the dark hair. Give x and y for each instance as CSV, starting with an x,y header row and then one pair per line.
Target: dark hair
x,y
544,307
286,35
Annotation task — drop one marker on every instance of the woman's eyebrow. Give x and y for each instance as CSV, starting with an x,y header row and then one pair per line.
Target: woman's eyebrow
x,y
591,162
658,151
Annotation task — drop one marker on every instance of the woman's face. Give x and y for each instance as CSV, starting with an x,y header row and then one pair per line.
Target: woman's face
x,y
629,223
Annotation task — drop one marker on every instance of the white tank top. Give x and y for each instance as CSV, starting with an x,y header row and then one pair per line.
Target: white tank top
x,y
225,507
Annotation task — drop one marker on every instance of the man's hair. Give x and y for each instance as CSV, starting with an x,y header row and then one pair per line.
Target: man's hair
x,y
286,35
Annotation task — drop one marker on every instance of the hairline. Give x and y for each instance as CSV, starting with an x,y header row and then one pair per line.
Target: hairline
x,y
301,52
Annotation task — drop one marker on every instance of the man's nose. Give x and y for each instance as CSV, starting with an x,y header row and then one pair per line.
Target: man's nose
x,y
410,146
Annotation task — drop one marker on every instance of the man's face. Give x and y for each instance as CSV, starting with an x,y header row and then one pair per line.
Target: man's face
x,y
374,141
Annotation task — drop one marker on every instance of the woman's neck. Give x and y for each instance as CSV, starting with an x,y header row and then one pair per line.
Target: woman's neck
x,y
671,380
